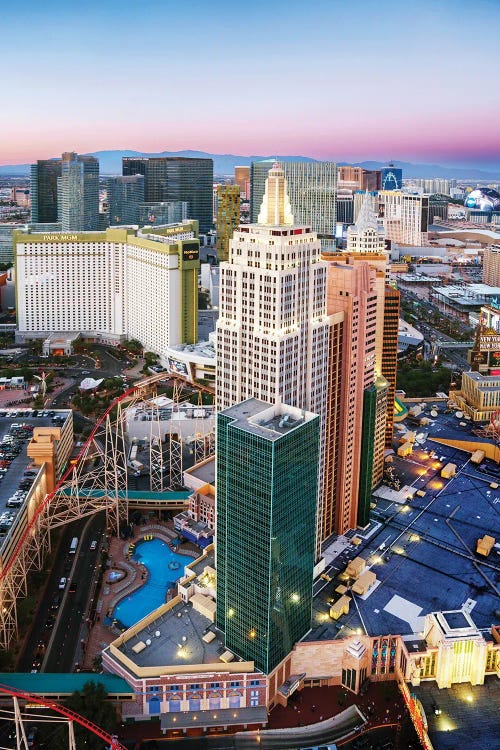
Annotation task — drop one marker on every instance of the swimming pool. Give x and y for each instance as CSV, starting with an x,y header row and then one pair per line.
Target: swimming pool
x,y
156,556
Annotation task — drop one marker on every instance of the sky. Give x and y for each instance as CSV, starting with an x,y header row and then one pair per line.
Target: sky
x,y
414,80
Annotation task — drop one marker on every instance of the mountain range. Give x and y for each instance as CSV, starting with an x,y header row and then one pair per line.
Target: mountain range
x,y
111,164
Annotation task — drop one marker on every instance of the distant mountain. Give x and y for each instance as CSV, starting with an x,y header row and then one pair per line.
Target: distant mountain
x,y
111,161
428,171
224,164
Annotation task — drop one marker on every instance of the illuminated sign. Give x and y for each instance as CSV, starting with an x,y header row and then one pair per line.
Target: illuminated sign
x,y
190,251
178,229
489,342
59,237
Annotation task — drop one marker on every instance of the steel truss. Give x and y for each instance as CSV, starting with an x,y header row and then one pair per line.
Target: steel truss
x,y
156,463
97,482
176,478
58,714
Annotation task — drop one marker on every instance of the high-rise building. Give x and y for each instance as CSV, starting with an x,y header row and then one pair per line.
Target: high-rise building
x,y
360,197
345,207
258,176
79,198
228,217
357,178
351,290
110,285
242,179
366,242
156,213
392,177
267,487
124,197
43,190
390,358
176,178
312,188
277,349
405,217
365,236
491,265
331,441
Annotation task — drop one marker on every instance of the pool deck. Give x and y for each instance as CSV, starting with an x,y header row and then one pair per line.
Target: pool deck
x,y
99,635
166,646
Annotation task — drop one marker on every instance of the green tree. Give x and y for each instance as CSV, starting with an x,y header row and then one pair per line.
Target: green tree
x,y
90,702
132,345
419,379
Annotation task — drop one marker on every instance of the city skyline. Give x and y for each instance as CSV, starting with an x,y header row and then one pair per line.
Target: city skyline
x,y
371,89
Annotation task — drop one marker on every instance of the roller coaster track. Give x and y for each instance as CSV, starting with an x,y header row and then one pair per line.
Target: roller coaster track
x,y
65,503
111,740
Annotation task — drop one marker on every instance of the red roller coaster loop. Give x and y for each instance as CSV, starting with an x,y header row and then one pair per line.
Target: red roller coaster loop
x,y
109,739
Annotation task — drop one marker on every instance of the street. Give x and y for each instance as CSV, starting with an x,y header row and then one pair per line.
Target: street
x,y
54,637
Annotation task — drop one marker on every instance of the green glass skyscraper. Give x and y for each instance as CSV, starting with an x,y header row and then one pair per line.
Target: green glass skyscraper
x,y
267,489
43,190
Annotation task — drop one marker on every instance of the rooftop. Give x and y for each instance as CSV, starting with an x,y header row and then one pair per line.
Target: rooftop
x,y
467,294
266,420
175,639
422,550
202,348
204,471
469,714
46,683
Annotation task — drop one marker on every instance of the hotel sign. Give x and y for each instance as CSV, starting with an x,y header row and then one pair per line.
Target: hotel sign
x,y
190,251
489,342
59,238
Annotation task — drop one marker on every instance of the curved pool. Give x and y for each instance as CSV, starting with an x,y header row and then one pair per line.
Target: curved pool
x,y
164,567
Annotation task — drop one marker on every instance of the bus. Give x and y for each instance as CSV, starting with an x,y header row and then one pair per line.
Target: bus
x,y
73,545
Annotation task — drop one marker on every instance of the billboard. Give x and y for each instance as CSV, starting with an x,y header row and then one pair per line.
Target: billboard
x,y
190,251
176,367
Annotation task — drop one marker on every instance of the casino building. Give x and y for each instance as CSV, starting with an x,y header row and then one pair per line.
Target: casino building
x,y
110,286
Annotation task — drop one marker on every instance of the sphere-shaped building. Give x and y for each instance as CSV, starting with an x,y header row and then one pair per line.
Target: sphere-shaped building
x,y
483,199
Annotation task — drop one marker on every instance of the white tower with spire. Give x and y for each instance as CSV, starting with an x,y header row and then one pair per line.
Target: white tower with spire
x,y
275,208
273,329
365,236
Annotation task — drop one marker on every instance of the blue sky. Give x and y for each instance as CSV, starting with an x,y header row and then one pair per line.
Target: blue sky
x,y
347,80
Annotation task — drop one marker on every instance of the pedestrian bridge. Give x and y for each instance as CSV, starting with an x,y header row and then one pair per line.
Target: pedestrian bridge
x,y
168,500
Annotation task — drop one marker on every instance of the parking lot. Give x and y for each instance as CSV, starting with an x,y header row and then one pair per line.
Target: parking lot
x,y
17,474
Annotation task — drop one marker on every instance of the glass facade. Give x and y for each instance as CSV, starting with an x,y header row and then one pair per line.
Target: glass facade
x,y
366,465
124,195
43,190
173,178
312,189
163,212
266,517
79,193
259,171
